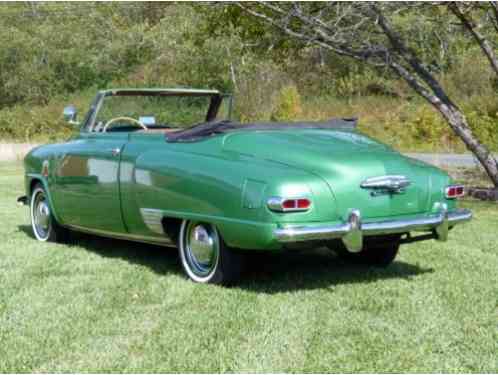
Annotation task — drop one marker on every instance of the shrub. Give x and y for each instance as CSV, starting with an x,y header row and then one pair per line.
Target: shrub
x,y
43,123
287,104
257,83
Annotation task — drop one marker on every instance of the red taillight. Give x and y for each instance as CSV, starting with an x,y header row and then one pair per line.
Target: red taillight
x,y
289,205
303,203
454,191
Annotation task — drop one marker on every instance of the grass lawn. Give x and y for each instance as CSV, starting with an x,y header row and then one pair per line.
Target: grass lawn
x,y
104,305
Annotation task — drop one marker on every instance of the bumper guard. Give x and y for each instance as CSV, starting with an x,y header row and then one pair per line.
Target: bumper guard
x,y
353,230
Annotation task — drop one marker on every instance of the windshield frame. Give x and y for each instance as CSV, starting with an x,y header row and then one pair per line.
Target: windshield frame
x,y
211,113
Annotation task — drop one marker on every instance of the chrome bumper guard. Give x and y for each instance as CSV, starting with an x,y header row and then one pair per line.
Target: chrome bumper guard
x,y
22,201
353,230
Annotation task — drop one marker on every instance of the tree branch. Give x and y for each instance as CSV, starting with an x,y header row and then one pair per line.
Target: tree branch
x,y
409,56
321,39
494,8
473,28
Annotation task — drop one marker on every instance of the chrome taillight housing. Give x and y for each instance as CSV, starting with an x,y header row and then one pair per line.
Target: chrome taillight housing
x,y
281,204
454,191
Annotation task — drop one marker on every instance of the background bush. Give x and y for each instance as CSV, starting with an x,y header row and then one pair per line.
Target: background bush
x,y
53,54
287,106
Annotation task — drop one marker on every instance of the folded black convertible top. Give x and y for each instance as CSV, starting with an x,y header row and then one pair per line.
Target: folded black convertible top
x,y
216,127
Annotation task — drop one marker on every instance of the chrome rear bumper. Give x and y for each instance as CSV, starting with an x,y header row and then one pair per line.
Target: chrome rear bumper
x,y
353,230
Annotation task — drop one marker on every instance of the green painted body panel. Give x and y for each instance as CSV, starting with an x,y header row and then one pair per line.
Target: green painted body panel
x,y
226,179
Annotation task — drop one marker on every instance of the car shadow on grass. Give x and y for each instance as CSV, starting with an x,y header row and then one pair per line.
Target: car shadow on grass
x,y
264,272
161,260
317,269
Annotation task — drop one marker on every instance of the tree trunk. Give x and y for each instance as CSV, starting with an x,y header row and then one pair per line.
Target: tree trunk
x,y
455,119
437,96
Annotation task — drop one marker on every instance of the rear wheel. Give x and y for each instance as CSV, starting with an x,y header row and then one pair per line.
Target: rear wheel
x,y
43,223
205,257
377,251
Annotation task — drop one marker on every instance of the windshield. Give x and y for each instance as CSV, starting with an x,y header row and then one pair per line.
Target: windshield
x,y
155,110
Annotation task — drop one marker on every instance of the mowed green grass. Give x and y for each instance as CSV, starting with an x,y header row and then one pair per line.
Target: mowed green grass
x,y
103,305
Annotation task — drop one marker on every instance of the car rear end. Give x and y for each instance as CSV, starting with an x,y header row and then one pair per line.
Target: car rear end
x,y
376,195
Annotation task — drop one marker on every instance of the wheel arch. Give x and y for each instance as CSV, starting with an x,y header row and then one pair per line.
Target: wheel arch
x,y
236,233
171,227
34,179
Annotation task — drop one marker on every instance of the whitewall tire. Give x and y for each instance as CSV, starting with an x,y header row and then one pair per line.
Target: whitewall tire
x,y
44,226
204,256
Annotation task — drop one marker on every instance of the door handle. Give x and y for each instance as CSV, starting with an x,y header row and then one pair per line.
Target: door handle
x,y
115,151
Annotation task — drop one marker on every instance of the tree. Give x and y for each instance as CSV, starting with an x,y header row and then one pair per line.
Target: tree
x,y
463,12
375,34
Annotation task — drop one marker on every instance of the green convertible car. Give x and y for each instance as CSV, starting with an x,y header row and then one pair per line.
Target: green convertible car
x,y
165,166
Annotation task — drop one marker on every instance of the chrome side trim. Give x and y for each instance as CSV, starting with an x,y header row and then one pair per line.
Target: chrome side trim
x,y
392,183
153,219
166,241
353,229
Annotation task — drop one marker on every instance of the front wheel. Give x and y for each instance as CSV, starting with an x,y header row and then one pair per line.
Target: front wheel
x,y
205,257
377,251
45,227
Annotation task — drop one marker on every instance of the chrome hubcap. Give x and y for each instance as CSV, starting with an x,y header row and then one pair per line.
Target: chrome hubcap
x,y
41,216
202,247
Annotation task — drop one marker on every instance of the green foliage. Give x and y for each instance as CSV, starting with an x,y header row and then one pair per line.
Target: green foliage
x,y
409,126
33,123
485,127
42,123
257,83
42,57
51,54
428,127
287,104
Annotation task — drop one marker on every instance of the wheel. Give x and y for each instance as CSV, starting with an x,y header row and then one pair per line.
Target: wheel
x,y
377,251
44,225
205,257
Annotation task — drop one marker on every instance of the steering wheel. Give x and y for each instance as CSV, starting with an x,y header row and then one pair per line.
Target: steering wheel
x,y
130,119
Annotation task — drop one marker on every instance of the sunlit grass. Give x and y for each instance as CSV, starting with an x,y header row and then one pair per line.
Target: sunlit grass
x,y
103,305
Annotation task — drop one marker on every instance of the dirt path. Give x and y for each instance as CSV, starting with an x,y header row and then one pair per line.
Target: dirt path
x,y
14,151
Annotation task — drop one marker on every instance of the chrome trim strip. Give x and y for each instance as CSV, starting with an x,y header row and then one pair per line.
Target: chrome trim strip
x,y
166,241
153,219
459,216
440,222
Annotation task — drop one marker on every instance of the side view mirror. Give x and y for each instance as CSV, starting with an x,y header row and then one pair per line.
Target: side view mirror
x,y
70,114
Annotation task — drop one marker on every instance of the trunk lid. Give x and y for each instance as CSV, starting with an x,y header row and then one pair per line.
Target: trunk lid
x,y
344,160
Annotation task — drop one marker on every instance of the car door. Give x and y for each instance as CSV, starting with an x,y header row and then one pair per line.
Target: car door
x,y
86,191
